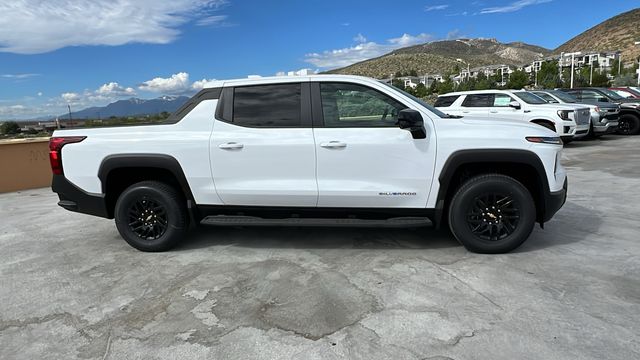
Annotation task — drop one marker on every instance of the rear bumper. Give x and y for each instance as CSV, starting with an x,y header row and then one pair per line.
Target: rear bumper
x,y
554,201
75,199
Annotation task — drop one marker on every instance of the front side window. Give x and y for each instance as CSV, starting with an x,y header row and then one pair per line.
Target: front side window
x,y
502,100
352,105
550,99
530,98
444,101
478,100
589,95
267,105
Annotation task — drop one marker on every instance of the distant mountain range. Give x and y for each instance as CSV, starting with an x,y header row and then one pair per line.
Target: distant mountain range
x,y
130,107
438,57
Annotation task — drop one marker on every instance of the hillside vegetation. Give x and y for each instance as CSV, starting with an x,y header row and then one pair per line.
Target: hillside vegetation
x,y
618,33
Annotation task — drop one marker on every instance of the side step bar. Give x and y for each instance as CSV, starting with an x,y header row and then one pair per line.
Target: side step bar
x,y
225,220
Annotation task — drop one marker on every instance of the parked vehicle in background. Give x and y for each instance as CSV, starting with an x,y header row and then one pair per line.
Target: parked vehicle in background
x,y
629,121
627,92
568,121
328,149
604,115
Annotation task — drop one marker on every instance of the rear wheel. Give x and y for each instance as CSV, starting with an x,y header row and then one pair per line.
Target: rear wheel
x,y
629,124
151,216
492,214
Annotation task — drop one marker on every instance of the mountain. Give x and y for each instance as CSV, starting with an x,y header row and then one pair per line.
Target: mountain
x,y
618,33
438,57
130,107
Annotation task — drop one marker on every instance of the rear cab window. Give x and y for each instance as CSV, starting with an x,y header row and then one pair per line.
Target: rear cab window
x,y
273,105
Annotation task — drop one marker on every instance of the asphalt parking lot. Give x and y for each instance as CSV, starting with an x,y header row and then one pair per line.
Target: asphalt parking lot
x,y
72,288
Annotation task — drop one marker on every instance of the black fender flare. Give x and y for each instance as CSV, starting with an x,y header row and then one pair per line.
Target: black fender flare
x,y
158,161
479,156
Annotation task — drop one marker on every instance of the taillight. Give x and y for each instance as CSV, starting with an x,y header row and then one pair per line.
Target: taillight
x,y
55,151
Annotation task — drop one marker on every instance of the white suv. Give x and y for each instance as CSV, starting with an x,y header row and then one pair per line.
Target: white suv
x,y
323,149
567,120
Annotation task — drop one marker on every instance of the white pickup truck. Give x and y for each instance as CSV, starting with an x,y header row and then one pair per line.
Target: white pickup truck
x,y
324,149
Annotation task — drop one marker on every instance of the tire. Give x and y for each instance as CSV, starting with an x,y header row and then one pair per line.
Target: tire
x,y
629,125
483,231
151,216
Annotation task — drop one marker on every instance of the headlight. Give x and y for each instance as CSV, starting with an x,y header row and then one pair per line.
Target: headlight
x,y
554,140
564,114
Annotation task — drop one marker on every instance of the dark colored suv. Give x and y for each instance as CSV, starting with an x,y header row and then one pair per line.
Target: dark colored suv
x,y
629,123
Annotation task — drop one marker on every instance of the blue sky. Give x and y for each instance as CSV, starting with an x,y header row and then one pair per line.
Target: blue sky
x,y
86,53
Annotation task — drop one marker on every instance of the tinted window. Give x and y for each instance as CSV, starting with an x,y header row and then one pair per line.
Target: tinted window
x,y
529,98
589,95
547,97
267,105
478,100
446,100
350,105
501,100
568,98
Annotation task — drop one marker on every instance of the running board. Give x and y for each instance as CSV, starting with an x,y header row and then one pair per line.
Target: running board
x,y
225,220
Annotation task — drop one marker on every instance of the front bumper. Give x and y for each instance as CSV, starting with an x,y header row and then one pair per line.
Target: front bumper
x,y
607,128
553,201
75,199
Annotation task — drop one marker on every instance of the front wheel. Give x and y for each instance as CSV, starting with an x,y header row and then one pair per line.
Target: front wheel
x,y
492,214
629,124
151,216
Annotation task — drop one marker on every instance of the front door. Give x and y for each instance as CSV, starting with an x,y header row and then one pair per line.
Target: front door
x,y
500,108
262,148
364,159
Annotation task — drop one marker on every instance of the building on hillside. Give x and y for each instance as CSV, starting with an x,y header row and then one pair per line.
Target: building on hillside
x,y
604,59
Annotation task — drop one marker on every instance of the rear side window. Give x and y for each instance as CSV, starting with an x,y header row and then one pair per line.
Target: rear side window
x,y
444,101
478,100
267,105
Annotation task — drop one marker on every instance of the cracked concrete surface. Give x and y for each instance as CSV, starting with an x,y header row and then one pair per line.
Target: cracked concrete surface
x,y
71,288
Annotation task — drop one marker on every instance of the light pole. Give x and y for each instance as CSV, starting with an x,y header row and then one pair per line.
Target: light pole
x,y
573,56
638,43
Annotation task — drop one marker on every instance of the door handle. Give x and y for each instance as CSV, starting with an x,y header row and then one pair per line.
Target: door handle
x,y
230,146
333,145
493,111
466,111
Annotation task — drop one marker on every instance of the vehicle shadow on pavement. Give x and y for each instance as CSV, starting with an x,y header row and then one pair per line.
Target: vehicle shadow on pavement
x,y
572,224
327,237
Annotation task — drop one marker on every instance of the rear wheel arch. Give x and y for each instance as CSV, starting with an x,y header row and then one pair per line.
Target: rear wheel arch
x,y
118,172
522,165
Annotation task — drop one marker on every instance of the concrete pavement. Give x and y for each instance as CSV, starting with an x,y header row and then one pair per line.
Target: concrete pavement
x,y
72,288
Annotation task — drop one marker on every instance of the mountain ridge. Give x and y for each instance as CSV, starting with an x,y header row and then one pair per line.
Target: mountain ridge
x,y
131,107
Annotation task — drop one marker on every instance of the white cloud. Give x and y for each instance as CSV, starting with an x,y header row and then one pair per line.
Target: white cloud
x,y
177,83
363,51
201,84
38,26
360,39
215,20
435,7
113,89
18,76
512,7
71,97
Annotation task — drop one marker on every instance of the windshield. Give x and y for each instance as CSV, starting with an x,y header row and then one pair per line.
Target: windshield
x,y
549,98
612,94
419,101
568,98
529,98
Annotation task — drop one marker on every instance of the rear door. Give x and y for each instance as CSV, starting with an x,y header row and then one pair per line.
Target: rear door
x,y
476,105
364,159
262,149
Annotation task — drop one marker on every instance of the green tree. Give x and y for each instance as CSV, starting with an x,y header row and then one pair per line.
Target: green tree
x,y
9,128
549,75
421,90
398,83
518,80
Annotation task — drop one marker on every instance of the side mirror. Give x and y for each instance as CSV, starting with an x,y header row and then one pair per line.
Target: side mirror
x,y
412,120
514,104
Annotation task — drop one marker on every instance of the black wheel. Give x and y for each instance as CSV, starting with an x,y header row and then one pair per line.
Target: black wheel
x,y
629,124
151,216
492,214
